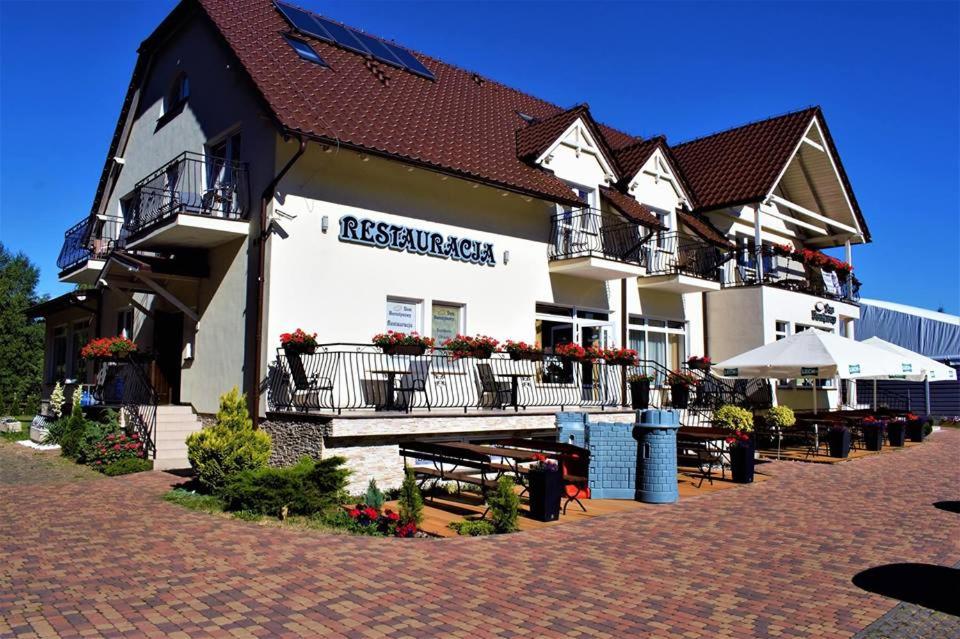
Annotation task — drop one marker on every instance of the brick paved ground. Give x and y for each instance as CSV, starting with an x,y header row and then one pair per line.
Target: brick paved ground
x,y
108,557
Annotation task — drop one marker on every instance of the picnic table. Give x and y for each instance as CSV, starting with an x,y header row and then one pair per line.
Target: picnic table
x,y
391,375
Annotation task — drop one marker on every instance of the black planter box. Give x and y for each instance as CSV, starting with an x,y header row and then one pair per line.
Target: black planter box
x,y
873,437
405,349
915,430
299,350
544,491
741,462
679,395
895,433
839,441
640,395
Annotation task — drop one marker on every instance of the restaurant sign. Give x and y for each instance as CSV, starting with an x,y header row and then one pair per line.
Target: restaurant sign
x,y
731,372
809,371
404,238
823,312
853,369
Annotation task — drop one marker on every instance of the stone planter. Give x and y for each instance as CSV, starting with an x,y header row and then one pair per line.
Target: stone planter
x,y
915,430
896,433
640,394
839,441
545,489
741,462
873,437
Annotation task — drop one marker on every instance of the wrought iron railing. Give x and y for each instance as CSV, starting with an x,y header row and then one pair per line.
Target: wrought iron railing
x,y
713,392
349,377
673,253
192,183
126,384
585,233
81,244
752,267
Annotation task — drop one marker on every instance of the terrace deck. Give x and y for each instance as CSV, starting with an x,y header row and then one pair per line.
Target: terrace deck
x,y
440,511
799,453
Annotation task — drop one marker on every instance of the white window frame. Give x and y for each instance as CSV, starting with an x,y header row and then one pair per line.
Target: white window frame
x,y
462,328
640,323
417,313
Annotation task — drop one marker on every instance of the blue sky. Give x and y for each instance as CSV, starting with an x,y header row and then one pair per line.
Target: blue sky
x,y
886,74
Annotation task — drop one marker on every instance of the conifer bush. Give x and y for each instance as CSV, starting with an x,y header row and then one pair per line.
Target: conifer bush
x,y
504,506
410,500
228,447
374,497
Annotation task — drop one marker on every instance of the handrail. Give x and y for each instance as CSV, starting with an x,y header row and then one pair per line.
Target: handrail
x,y
126,384
765,266
584,232
80,244
674,253
75,248
191,183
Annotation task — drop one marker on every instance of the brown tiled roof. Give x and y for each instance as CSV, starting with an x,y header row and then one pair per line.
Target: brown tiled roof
x,y
459,123
740,165
702,227
630,207
535,138
632,157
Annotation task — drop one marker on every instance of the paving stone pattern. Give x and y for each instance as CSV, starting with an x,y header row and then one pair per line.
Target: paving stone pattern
x,y
107,557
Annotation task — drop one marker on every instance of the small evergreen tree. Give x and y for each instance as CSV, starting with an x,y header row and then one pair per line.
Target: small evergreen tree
x,y
411,501
57,400
374,497
229,446
504,506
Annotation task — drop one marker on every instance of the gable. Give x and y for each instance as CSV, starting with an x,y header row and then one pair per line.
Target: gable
x,y
577,156
657,183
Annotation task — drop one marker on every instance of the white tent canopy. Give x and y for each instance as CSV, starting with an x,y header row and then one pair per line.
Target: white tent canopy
x,y
813,354
921,367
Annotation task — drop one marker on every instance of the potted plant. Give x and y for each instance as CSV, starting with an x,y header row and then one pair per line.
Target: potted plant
x,y
872,432
545,488
479,346
699,363
680,384
780,417
639,390
394,343
783,250
838,438
298,342
570,352
914,427
620,356
739,422
896,431
523,351
108,348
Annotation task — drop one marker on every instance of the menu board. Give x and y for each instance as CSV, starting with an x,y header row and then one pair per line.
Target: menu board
x,y
446,322
401,316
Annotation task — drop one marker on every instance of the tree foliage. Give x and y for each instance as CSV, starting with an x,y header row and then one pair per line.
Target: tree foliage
x,y
21,348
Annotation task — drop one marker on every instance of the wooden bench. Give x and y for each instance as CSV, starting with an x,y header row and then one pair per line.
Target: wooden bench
x,y
450,464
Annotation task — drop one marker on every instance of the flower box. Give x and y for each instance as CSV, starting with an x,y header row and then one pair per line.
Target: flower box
x,y
405,349
839,441
298,342
896,432
915,430
679,395
640,394
108,349
477,347
545,489
393,343
742,458
699,363
873,435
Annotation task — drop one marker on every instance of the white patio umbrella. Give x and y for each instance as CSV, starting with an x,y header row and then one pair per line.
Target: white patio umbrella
x,y
812,354
916,367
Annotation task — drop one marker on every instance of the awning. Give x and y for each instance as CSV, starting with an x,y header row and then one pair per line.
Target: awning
x,y
84,299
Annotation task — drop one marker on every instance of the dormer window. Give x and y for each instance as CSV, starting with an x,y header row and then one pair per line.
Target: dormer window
x,y
176,96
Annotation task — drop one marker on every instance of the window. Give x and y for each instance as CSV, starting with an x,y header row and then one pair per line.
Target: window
x,y
58,368
125,323
176,97
223,160
659,341
304,50
403,315
446,321
781,330
81,335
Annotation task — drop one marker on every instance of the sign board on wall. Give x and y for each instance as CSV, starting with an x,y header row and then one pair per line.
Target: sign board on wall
x,y
823,312
445,322
401,316
404,238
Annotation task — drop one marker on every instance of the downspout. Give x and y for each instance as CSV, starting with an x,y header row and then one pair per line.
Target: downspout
x,y
253,399
623,338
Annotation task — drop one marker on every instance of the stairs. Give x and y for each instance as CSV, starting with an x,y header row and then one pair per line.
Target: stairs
x,y
174,423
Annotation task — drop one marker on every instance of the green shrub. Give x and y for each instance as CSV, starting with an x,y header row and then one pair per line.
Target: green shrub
x,y
374,497
303,489
410,502
115,447
473,527
79,436
194,501
730,417
228,447
780,417
504,506
126,466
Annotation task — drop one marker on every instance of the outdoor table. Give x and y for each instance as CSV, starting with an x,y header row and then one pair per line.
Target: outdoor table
x,y
514,377
391,375
513,456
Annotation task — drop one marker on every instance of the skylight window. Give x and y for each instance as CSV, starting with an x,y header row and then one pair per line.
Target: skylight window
x,y
305,51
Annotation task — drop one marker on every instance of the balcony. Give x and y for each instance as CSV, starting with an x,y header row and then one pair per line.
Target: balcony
x,y
766,267
584,244
85,250
195,200
678,263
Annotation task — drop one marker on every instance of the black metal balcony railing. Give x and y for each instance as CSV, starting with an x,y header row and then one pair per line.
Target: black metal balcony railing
x,y
346,377
193,184
585,233
672,253
80,244
752,267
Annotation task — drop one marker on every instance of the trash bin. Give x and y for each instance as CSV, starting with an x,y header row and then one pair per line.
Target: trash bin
x,y
656,435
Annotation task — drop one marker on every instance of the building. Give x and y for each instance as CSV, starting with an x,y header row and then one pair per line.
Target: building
x,y
273,169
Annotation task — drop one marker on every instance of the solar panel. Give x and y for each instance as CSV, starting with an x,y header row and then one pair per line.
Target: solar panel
x,y
304,50
304,22
378,49
343,36
409,61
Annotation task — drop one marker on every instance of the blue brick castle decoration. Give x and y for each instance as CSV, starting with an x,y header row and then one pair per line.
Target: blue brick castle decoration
x,y
656,436
613,453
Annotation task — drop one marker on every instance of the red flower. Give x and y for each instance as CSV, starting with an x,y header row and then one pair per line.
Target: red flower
x,y
370,513
354,513
393,516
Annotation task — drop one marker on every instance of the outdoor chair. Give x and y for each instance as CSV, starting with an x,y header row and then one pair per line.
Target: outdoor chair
x,y
414,382
501,391
574,464
703,455
306,385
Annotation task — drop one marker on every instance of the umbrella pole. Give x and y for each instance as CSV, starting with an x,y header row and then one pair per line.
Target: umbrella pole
x,y
874,395
814,397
